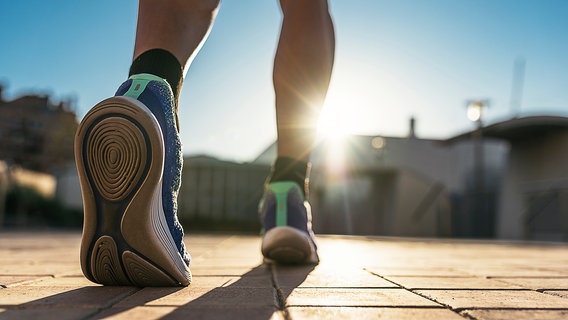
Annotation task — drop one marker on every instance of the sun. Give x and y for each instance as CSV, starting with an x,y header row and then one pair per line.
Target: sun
x,y
330,126
334,127
335,120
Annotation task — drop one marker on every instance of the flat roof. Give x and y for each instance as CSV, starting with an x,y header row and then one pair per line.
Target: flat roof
x,y
519,128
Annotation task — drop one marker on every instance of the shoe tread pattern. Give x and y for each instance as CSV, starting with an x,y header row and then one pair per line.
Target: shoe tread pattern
x,y
114,154
105,264
116,157
144,274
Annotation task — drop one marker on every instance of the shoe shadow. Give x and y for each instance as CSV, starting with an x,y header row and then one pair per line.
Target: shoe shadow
x,y
257,294
80,303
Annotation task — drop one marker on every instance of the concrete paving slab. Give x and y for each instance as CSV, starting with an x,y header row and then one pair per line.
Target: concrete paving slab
x,y
210,282
144,312
49,313
560,267
328,277
70,282
86,296
228,271
372,313
562,294
355,298
510,271
250,282
426,271
451,283
202,297
537,283
10,281
358,277
38,268
174,313
498,299
517,314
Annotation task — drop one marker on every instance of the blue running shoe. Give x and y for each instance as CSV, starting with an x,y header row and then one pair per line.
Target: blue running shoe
x,y
129,159
287,221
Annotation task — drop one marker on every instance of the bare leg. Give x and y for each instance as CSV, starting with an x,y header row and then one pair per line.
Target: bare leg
x,y
127,149
302,71
178,26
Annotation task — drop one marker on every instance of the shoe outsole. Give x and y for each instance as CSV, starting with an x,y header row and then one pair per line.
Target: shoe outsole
x,y
287,245
119,153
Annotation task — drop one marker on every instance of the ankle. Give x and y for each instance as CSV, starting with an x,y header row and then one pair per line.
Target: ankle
x,y
163,64
289,169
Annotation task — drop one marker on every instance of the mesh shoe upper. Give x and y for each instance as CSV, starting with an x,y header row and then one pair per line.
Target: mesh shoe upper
x,y
158,97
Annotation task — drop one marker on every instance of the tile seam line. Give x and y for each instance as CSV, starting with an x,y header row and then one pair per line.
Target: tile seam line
x,y
440,307
278,294
461,309
470,289
526,277
345,288
541,290
28,282
111,305
446,306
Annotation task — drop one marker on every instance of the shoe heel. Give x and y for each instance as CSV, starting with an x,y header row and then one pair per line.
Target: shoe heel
x,y
287,245
111,157
119,154
106,267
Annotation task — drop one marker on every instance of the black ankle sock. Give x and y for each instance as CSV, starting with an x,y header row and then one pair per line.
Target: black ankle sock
x,y
161,63
289,169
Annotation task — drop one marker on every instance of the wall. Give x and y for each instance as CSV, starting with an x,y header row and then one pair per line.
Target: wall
x,y
534,202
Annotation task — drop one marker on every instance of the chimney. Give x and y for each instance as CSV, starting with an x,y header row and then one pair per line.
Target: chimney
x,y
412,132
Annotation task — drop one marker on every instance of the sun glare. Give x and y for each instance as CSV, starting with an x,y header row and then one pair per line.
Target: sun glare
x,y
335,120
330,126
333,129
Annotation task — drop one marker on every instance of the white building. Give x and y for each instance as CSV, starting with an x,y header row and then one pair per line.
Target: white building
x,y
534,195
403,186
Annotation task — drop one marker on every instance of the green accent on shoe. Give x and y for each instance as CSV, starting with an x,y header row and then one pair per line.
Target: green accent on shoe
x,y
139,83
280,190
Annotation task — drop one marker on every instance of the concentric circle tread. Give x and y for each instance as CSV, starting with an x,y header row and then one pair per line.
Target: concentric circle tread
x,y
116,157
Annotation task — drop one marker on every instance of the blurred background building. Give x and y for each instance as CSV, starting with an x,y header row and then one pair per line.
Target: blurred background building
x,y
533,199
36,149
506,180
36,133
403,186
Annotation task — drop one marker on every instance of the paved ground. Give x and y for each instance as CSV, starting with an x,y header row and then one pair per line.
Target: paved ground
x,y
358,278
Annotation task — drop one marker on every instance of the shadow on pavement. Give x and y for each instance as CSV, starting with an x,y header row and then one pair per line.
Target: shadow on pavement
x,y
73,304
256,295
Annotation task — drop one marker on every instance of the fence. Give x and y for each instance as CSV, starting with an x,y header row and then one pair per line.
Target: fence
x,y
221,193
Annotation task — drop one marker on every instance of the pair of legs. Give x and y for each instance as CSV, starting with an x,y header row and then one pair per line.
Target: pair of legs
x,y
302,65
128,149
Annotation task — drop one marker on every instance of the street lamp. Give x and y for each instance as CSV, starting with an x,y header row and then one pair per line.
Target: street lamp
x,y
475,112
476,109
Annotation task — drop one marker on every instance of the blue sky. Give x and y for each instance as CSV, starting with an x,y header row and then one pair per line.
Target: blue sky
x,y
394,60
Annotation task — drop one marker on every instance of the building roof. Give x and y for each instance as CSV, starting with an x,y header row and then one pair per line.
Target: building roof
x,y
519,128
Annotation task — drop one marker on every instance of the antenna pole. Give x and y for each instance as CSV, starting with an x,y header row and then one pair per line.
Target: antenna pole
x,y
517,87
